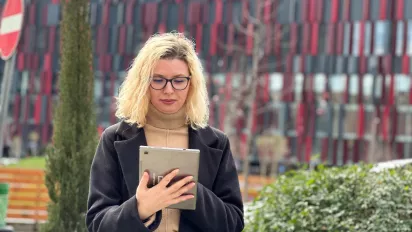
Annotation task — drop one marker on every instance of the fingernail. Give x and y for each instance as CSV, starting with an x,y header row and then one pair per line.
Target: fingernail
x,y
190,177
176,171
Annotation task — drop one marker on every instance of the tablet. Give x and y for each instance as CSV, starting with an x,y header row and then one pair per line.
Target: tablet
x,y
159,161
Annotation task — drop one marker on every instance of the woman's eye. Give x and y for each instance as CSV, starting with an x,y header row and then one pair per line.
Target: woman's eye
x,y
157,80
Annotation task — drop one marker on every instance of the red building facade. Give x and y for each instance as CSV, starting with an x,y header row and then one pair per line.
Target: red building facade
x,y
336,82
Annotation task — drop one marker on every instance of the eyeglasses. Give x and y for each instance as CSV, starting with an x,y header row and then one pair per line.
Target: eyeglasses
x,y
178,83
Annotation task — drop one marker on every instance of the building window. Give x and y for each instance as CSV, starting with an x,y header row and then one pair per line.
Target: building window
x,y
409,42
399,37
353,88
337,85
382,29
368,38
356,38
275,86
367,90
402,88
298,86
319,85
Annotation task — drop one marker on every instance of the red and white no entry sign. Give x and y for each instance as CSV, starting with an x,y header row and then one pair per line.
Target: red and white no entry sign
x,y
10,27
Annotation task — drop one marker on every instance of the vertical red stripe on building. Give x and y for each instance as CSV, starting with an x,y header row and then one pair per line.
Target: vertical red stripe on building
x,y
16,109
391,100
122,39
366,10
383,9
49,79
335,151
399,9
293,44
32,13
105,13
219,11
230,38
270,37
334,14
52,39
305,5
20,61
306,41
267,13
314,39
49,109
394,123
130,4
405,38
361,121
346,91
199,36
330,39
45,134
345,151
27,107
385,122
213,39
405,64
319,11
339,38
346,10
266,91
361,38
312,10
277,42
37,109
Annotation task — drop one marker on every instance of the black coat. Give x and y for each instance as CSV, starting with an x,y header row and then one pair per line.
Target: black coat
x,y
112,205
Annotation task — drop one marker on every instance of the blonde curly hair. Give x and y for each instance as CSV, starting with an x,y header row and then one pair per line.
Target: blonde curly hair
x,y
133,99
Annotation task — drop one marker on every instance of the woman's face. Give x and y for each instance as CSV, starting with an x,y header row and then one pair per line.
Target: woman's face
x,y
167,99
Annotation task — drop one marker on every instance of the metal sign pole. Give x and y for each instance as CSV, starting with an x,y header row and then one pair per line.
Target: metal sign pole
x,y
4,99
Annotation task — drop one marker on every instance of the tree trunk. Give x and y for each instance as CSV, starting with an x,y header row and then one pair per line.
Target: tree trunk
x,y
256,57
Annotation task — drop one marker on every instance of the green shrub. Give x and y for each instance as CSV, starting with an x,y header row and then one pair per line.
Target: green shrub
x,y
335,199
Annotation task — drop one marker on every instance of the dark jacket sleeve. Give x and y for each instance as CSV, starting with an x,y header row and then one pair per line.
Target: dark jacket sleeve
x,y
220,209
105,210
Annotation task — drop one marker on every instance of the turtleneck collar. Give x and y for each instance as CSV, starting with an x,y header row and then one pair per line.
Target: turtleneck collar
x,y
166,121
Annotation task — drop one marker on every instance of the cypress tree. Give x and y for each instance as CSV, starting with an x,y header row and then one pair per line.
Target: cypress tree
x,y
74,131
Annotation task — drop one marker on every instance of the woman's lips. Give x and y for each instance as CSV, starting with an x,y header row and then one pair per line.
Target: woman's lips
x,y
168,101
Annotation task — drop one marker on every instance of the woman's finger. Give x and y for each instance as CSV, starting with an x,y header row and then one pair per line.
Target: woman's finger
x,y
180,199
169,177
143,182
178,185
183,190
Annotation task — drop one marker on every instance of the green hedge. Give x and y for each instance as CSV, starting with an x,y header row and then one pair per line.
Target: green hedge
x,y
335,199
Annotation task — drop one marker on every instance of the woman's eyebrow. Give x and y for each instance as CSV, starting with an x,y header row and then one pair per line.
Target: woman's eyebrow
x,y
177,75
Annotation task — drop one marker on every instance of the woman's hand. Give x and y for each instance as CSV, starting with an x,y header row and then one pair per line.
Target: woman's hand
x,y
151,200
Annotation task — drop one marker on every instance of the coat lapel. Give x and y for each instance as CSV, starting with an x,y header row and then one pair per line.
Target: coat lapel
x,y
128,154
209,157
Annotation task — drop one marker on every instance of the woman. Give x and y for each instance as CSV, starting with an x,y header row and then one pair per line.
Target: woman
x,y
163,102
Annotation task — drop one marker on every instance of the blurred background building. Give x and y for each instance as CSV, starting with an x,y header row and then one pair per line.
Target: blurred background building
x,y
335,76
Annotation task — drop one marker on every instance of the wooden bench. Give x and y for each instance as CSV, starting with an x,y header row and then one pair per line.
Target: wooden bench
x,y
28,195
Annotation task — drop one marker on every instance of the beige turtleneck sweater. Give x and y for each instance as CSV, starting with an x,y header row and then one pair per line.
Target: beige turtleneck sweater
x,y
166,130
